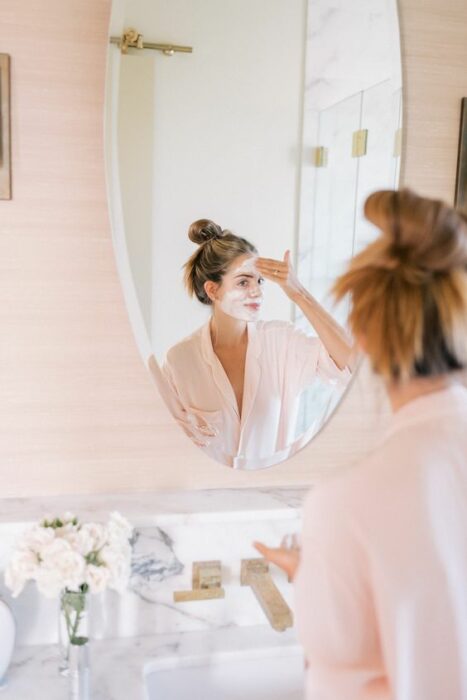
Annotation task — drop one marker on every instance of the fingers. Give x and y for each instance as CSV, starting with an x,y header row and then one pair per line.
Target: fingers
x,y
285,559
262,549
274,270
270,264
280,277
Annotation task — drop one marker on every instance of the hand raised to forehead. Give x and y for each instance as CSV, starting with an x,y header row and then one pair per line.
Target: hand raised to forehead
x,y
281,272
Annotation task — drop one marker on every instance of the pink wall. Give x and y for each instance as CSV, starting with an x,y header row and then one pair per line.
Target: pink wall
x,y
78,410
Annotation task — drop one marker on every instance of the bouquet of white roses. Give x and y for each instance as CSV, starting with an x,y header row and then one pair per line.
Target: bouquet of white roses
x,y
62,554
68,558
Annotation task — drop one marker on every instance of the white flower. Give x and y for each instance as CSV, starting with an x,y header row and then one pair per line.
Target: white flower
x,y
65,557
68,530
118,564
118,527
94,534
22,566
67,517
97,577
36,538
88,538
49,582
67,564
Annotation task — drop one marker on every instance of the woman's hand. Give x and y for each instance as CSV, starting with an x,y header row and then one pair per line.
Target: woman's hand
x,y
281,272
285,558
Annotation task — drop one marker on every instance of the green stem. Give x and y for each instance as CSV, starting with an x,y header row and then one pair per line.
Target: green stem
x,y
72,625
75,628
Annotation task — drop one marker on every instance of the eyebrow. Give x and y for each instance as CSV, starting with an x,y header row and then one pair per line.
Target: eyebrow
x,y
245,274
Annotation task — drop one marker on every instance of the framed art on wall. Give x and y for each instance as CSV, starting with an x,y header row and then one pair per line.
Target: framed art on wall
x,y
5,141
460,198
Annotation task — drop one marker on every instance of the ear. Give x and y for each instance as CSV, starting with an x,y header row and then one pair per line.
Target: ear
x,y
361,342
211,288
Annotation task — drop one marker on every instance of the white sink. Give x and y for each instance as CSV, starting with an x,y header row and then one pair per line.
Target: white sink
x,y
255,674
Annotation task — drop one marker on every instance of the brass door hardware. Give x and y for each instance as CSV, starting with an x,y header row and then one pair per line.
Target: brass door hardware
x,y
359,143
206,582
319,157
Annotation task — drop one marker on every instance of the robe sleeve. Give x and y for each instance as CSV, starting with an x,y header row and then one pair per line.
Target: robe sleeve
x,y
313,360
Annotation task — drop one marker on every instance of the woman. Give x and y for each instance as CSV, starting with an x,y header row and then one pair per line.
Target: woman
x,y
381,584
237,379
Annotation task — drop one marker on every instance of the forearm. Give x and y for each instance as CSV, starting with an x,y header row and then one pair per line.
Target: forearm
x,y
334,338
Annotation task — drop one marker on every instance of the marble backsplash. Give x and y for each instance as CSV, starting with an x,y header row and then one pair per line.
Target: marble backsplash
x,y
171,531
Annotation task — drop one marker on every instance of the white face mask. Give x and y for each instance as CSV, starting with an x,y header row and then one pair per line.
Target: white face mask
x,y
243,296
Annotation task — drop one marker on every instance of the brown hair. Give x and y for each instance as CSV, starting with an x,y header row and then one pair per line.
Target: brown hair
x,y
409,288
217,249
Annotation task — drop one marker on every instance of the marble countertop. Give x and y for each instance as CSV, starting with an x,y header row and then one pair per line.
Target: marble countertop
x,y
118,667
162,506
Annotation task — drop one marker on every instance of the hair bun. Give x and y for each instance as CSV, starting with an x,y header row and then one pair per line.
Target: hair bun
x,y
421,235
204,230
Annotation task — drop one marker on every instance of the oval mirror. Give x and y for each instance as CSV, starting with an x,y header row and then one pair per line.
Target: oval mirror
x,y
242,138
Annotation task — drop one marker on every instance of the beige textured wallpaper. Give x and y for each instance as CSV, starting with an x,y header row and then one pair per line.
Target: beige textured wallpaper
x,y
78,411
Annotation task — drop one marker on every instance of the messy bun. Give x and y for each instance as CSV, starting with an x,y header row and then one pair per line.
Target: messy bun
x,y
217,249
409,288
204,230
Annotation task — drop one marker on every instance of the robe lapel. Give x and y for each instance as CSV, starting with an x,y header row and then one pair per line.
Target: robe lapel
x,y
218,373
252,375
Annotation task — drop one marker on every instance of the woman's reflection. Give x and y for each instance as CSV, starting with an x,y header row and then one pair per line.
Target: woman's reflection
x,y
237,379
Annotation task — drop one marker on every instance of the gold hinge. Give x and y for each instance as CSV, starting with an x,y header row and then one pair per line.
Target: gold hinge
x,y
359,143
397,143
320,157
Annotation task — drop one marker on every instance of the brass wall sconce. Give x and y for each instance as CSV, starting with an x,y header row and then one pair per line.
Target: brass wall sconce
x,y
132,39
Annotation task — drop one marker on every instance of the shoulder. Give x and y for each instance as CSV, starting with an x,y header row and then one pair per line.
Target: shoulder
x,y
185,347
346,497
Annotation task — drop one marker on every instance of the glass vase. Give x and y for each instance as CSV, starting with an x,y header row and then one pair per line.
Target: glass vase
x,y
73,628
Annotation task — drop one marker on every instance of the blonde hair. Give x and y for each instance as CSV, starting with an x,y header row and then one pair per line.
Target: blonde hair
x,y
217,249
408,289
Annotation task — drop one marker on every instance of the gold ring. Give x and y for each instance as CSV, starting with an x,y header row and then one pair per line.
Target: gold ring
x,y
276,272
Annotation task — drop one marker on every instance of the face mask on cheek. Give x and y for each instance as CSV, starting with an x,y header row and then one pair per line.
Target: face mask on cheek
x,y
243,304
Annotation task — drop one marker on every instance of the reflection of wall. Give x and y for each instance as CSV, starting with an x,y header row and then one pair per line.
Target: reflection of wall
x,y
352,82
226,122
135,118
351,46
78,412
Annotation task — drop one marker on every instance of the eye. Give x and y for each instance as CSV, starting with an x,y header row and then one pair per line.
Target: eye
x,y
243,283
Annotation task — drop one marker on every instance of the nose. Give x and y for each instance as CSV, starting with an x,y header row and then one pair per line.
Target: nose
x,y
256,291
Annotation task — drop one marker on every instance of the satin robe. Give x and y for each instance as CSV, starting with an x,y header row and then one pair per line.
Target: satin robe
x,y
281,361
381,591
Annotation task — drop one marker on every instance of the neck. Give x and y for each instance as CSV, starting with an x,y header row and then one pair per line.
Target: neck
x,y
226,331
401,394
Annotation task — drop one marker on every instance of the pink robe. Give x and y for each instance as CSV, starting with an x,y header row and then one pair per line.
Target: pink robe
x,y
281,362
381,591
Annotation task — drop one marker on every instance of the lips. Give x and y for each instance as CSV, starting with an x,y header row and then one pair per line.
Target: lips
x,y
253,306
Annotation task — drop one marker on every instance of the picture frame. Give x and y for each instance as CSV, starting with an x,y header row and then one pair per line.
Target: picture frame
x,y
5,127
460,197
